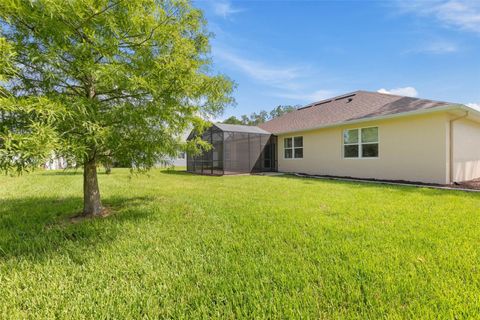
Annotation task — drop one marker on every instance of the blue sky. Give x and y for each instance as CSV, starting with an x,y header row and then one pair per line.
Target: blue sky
x,y
296,52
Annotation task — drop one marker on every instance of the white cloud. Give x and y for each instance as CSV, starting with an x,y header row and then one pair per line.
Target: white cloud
x,y
436,47
460,14
277,76
475,106
224,8
405,91
287,81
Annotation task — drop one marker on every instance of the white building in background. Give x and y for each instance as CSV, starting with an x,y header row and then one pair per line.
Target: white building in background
x,y
180,160
59,163
56,163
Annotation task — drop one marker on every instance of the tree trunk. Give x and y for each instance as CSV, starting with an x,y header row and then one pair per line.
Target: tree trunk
x,y
92,205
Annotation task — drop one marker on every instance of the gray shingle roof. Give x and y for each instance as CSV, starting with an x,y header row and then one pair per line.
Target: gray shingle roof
x,y
240,128
357,105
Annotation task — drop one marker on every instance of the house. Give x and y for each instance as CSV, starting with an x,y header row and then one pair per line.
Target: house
x,y
178,161
379,136
56,163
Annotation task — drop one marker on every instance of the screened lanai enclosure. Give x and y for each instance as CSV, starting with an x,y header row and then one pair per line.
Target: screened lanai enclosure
x,y
235,149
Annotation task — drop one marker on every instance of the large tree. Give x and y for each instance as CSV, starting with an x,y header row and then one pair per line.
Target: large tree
x,y
94,80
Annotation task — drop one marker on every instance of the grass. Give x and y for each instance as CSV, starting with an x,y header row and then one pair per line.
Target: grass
x,y
188,246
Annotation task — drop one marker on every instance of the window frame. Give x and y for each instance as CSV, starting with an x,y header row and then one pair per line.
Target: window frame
x,y
359,143
292,138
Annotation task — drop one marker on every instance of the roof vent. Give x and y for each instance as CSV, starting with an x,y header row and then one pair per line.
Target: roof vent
x,y
349,100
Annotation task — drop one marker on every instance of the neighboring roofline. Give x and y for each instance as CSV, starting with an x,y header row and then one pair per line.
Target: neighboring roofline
x,y
390,116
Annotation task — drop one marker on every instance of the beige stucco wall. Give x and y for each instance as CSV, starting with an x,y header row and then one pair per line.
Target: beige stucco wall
x,y
466,150
413,148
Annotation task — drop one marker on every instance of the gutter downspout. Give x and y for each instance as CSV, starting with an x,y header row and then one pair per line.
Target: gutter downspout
x,y
450,135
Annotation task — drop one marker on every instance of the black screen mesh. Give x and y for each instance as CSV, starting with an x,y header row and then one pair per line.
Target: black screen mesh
x,y
234,152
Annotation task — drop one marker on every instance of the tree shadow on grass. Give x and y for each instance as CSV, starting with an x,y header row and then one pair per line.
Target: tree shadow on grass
x,y
35,228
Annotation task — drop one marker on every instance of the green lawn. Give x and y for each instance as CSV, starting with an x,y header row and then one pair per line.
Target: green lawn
x,y
188,246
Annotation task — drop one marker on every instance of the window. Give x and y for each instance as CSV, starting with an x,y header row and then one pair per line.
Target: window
x,y
293,148
360,143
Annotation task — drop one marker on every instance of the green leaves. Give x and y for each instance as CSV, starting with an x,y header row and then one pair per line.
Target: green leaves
x,y
6,60
130,77
27,132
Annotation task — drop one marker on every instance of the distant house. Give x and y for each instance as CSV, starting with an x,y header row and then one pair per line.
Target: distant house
x,y
178,161
56,163
379,136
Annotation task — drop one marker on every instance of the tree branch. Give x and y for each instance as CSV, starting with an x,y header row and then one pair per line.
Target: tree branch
x,y
125,96
114,4
132,44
